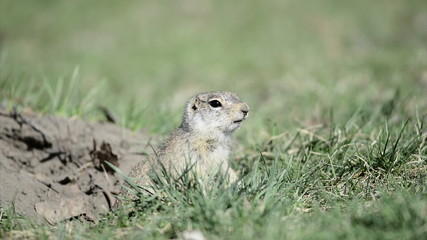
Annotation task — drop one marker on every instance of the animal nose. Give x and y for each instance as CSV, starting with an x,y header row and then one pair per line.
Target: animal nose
x,y
245,110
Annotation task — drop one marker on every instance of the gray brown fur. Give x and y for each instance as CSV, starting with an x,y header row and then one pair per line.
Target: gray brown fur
x,y
204,137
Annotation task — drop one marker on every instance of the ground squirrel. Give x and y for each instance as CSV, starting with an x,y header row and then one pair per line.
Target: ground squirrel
x,y
204,138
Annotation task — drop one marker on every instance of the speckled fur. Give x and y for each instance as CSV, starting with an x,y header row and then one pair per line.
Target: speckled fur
x,y
204,138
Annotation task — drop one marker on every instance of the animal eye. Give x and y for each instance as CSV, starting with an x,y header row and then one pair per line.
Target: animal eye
x,y
215,103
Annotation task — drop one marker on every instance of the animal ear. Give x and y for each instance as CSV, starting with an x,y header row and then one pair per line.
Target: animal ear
x,y
195,104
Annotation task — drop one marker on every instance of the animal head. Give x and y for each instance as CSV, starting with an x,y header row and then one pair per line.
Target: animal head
x,y
214,112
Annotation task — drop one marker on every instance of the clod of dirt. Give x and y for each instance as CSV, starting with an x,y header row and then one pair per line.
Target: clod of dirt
x,y
52,170
100,157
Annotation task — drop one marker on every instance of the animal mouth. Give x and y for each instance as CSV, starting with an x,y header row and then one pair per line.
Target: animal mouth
x,y
238,121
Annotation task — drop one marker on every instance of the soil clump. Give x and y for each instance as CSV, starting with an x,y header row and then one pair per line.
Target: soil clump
x,y
53,169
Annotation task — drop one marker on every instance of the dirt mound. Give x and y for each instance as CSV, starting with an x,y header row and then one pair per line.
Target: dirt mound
x,y
53,168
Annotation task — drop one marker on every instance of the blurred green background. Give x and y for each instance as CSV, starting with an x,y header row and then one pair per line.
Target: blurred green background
x,y
294,62
339,78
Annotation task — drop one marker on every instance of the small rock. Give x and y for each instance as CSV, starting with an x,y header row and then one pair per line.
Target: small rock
x,y
193,235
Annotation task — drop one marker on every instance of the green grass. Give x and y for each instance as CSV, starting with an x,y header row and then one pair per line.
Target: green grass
x,y
335,146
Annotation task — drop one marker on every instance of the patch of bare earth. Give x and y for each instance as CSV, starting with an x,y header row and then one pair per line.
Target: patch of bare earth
x,y
53,168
